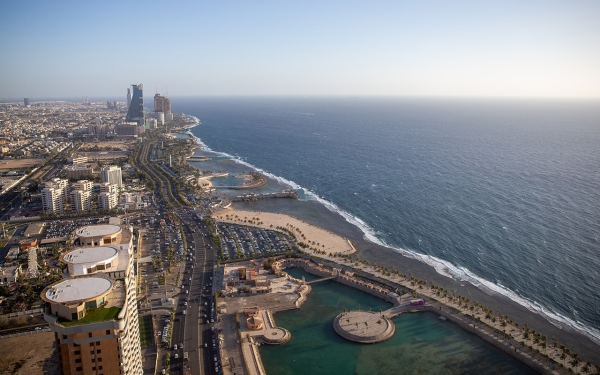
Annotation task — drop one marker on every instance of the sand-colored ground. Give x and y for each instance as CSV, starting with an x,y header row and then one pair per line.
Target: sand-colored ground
x,y
315,237
205,182
29,355
110,145
6,165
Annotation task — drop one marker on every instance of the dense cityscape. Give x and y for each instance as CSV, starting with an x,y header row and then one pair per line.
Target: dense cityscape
x,y
132,261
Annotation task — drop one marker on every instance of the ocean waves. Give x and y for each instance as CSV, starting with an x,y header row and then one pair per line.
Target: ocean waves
x,y
458,198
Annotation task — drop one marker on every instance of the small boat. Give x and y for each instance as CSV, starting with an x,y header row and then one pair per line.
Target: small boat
x,y
443,318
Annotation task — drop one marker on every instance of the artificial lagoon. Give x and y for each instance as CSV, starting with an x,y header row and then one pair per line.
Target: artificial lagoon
x,y
422,344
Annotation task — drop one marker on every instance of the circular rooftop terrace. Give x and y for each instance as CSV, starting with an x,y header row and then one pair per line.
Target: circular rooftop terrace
x,y
98,230
81,289
90,255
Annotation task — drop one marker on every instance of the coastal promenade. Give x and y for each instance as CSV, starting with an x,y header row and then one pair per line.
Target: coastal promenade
x,y
521,342
451,312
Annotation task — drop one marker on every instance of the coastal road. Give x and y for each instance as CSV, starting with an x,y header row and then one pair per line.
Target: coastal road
x,y
196,330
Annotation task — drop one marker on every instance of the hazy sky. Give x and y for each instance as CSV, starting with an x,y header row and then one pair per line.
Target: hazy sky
x,y
433,48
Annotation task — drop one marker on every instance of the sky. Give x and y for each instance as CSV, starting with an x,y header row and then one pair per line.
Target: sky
x,y
53,49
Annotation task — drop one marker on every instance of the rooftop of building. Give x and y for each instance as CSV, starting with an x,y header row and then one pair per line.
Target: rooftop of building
x,y
80,289
98,230
90,254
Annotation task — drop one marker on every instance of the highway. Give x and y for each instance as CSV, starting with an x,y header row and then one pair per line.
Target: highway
x,y
193,329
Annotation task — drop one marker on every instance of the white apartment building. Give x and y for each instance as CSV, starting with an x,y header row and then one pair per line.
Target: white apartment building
x,y
108,201
82,185
107,187
52,200
81,200
112,174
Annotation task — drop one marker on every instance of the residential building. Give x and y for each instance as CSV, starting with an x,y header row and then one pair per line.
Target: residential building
x,y
78,160
162,104
82,185
112,174
108,201
107,187
93,310
81,200
80,170
54,195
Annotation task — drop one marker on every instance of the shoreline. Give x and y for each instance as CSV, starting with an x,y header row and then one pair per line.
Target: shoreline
x,y
577,338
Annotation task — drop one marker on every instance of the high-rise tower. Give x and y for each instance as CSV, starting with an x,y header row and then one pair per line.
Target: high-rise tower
x,y
93,310
162,104
135,113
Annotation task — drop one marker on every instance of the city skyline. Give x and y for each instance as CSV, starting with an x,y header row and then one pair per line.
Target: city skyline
x,y
472,49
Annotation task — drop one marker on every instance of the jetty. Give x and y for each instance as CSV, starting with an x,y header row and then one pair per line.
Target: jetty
x,y
255,197
198,158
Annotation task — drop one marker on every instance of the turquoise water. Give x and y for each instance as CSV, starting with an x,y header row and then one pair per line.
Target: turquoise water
x,y
422,344
180,135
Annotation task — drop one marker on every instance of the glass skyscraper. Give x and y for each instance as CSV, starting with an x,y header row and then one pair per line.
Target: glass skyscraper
x,y
135,113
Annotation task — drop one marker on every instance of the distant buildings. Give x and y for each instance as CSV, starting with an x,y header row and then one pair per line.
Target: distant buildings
x,y
162,104
80,170
135,113
26,102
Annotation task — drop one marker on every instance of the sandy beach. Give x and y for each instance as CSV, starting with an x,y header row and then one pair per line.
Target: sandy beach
x,y
315,237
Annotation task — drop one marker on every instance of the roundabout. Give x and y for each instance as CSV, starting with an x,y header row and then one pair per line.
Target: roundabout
x,y
366,327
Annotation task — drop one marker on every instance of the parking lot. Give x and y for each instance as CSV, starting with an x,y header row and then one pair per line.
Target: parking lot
x,y
241,241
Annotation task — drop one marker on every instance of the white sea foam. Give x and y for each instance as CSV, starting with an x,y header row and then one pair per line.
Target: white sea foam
x,y
441,266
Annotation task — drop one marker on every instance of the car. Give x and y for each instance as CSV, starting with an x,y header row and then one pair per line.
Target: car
x,y
175,347
205,345
185,304
176,355
38,328
181,345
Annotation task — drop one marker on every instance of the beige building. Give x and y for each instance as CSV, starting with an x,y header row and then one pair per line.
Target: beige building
x,y
108,201
80,170
93,310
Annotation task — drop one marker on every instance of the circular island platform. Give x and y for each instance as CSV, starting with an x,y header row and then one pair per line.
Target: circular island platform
x,y
367,327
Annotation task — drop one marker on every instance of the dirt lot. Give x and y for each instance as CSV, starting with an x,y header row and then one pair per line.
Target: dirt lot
x,y
109,145
6,165
29,355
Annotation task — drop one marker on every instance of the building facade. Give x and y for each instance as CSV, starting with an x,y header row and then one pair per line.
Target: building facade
x,y
112,175
93,311
162,104
81,200
135,113
108,201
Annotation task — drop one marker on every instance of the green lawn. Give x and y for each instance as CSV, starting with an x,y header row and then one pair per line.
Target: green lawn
x,y
146,331
100,314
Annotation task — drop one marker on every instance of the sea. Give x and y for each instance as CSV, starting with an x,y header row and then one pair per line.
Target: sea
x,y
503,194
